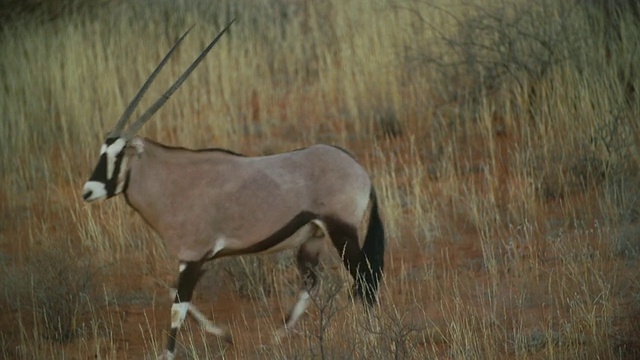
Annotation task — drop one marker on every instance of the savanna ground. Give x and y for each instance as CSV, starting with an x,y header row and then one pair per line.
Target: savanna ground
x,y
502,136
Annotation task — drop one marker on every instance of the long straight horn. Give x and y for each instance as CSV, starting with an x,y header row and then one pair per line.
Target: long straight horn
x,y
136,100
131,131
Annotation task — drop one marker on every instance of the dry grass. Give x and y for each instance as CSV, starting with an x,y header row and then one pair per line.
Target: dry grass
x,y
502,137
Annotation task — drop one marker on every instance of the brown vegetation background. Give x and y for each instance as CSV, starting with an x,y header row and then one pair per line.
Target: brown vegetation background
x,y
502,136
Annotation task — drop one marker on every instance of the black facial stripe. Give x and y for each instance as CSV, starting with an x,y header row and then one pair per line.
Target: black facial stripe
x,y
100,172
110,141
112,183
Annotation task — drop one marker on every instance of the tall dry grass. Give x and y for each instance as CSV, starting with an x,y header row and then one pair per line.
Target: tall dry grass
x,y
502,137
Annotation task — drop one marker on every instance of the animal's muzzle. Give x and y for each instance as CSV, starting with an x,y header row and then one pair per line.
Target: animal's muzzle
x,y
94,190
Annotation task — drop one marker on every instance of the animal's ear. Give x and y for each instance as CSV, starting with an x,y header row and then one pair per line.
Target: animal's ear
x,y
137,145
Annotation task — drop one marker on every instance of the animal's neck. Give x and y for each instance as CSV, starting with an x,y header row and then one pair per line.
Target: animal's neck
x,y
163,179
153,177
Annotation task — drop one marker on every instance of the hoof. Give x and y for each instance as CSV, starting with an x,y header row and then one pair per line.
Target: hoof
x,y
221,332
227,337
284,332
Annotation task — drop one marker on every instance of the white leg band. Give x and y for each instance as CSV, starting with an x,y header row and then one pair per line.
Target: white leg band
x,y
178,313
298,309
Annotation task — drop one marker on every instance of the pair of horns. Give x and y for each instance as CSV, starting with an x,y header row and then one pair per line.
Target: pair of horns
x,y
133,129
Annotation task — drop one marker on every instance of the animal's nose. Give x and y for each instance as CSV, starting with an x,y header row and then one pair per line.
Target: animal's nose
x,y
87,194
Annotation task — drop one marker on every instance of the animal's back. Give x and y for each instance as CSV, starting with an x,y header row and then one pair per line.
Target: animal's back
x,y
339,185
320,179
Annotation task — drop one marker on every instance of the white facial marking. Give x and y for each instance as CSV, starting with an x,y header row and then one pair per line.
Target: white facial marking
x,y
103,149
122,176
182,267
113,150
178,313
93,190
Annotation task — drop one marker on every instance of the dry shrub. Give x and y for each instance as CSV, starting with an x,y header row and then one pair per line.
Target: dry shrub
x,y
45,10
250,276
56,284
567,173
551,77
328,328
626,343
386,122
628,239
496,43
397,332
329,309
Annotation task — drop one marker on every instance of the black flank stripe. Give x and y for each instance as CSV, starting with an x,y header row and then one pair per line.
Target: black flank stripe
x,y
274,239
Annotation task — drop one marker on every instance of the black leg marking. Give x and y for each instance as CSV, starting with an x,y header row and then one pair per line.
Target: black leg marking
x,y
171,344
187,281
345,239
308,258
365,265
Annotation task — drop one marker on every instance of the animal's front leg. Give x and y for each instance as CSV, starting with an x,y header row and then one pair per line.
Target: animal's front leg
x,y
209,326
190,273
206,324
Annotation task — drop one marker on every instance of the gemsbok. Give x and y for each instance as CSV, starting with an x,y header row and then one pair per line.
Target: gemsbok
x,y
211,203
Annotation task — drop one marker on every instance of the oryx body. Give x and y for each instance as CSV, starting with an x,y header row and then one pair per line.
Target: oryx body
x,y
211,203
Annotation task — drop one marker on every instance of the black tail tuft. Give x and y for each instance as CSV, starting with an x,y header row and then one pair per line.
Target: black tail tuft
x,y
371,268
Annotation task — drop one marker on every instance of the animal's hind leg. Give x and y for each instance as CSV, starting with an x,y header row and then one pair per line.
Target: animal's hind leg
x,y
308,258
344,237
